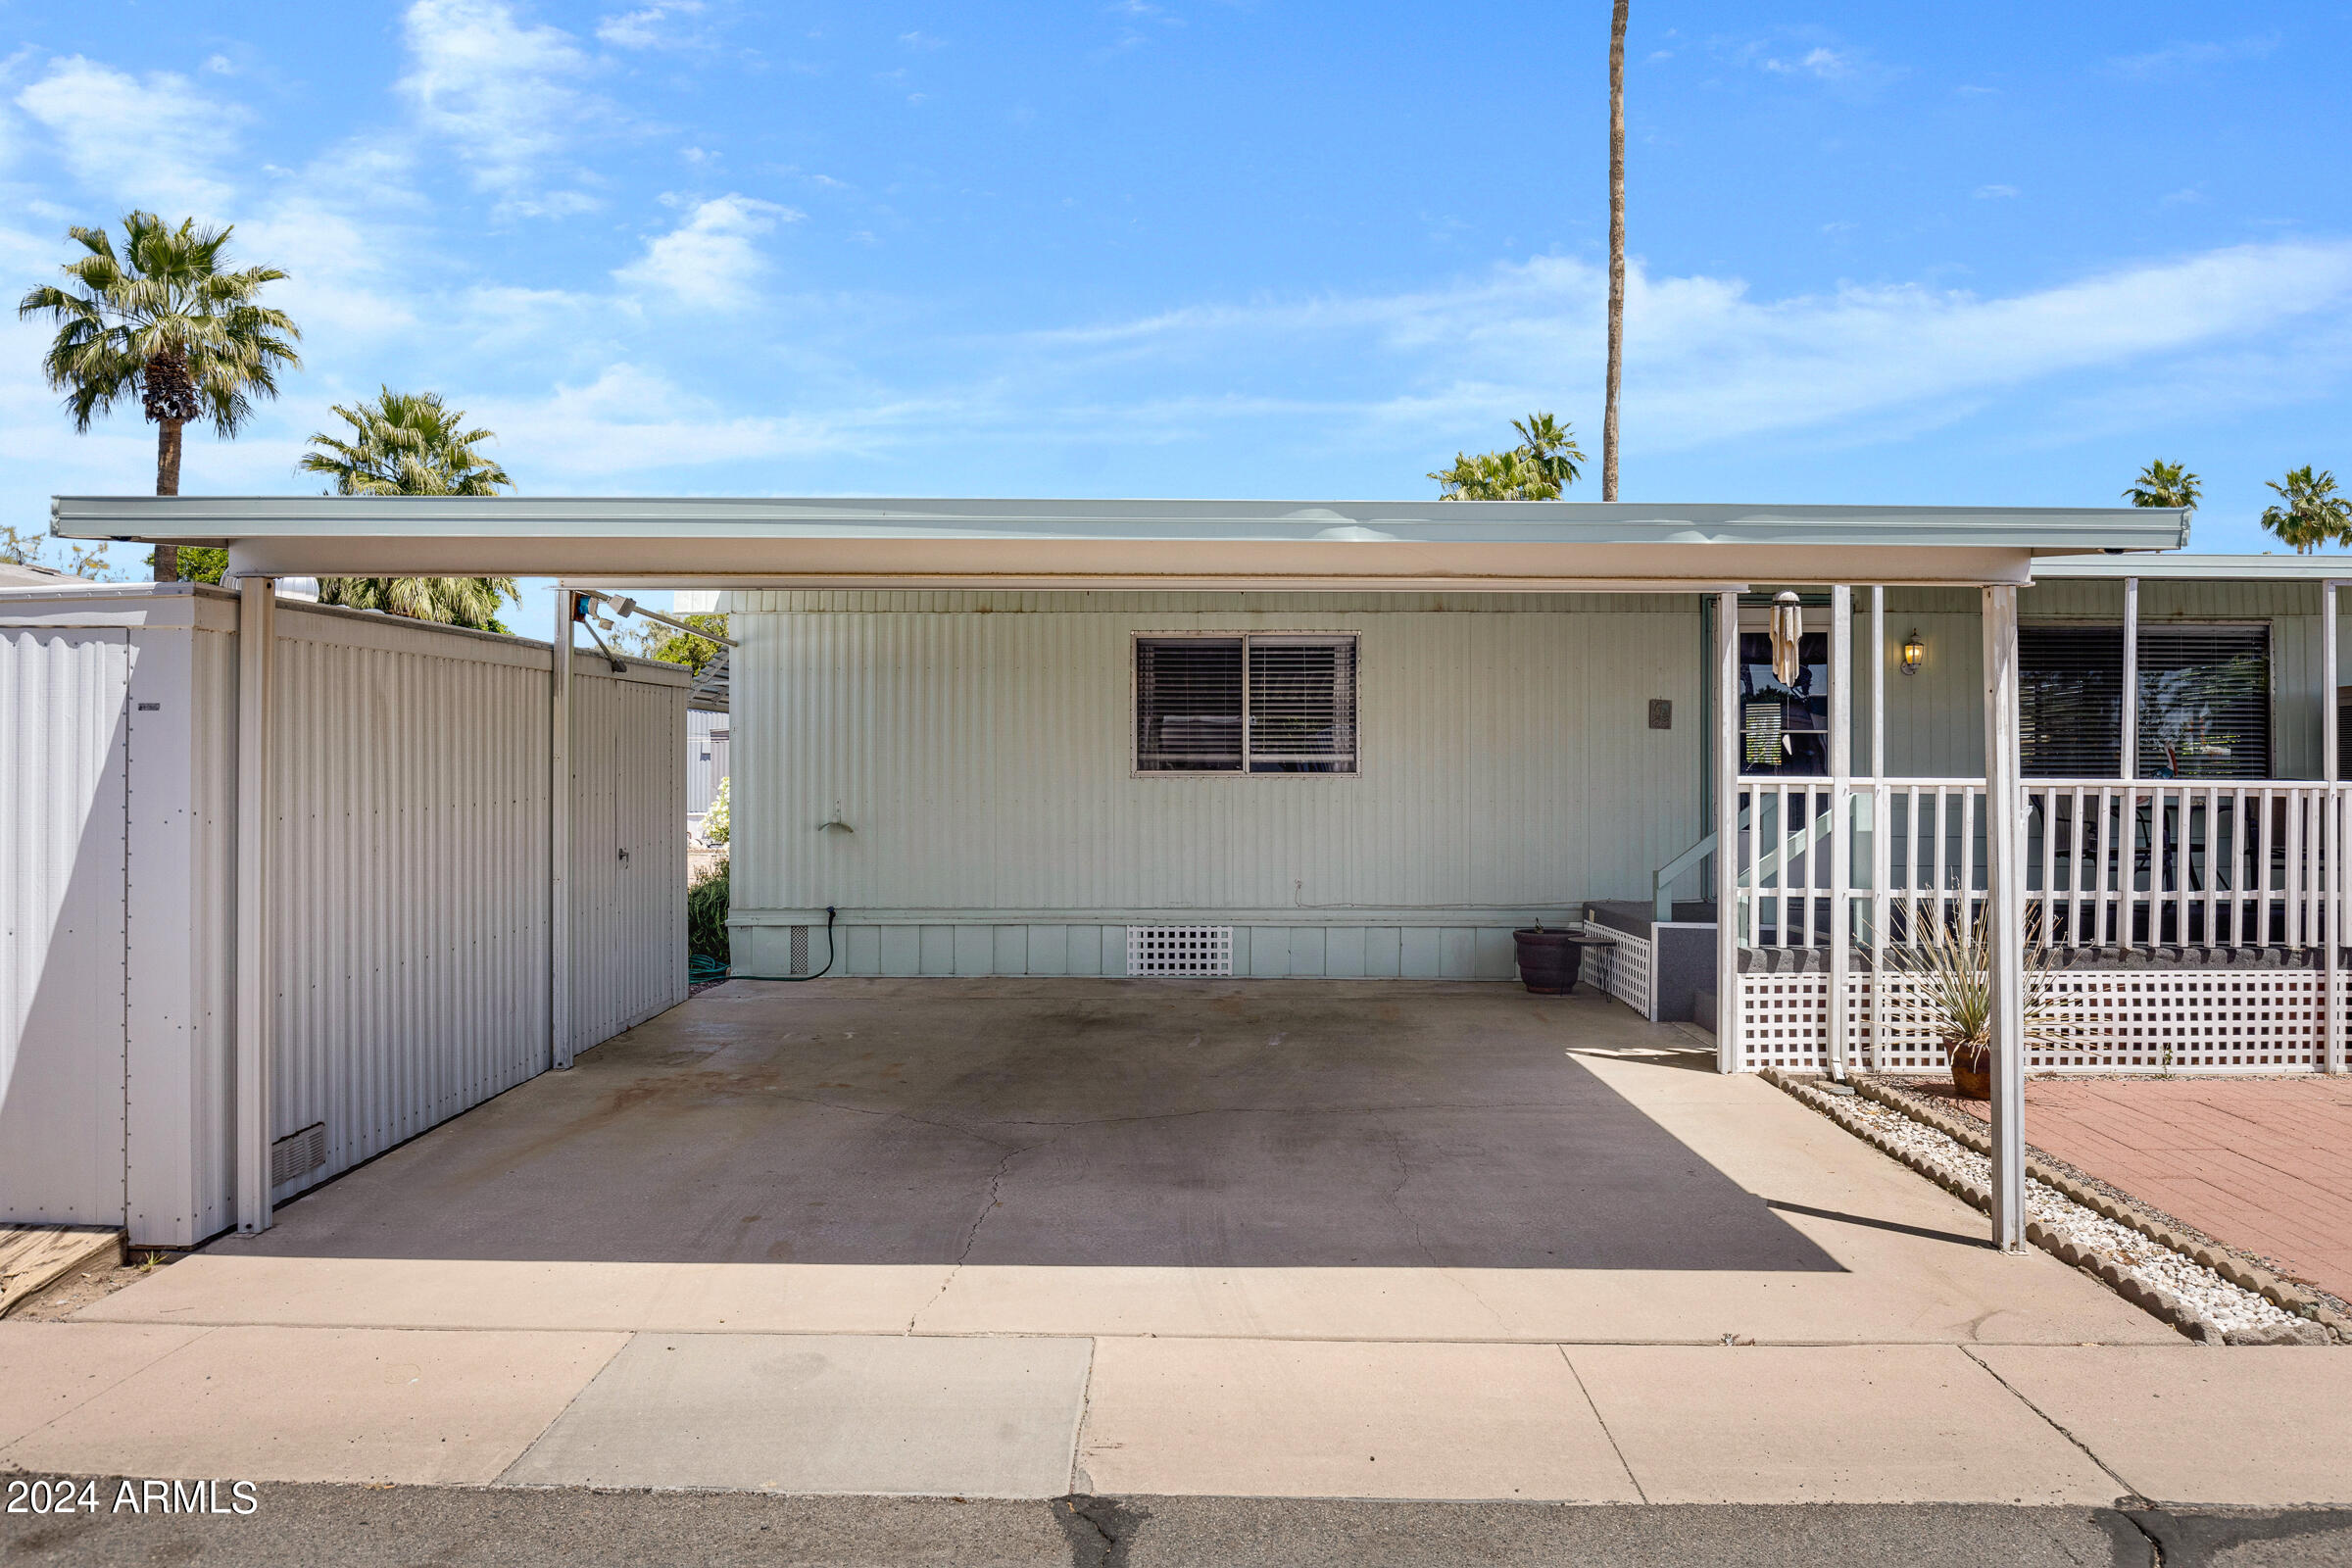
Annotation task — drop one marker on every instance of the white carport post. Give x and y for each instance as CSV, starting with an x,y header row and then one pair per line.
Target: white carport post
x,y
2130,735
558,841
1882,858
2332,843
257,670
2005,910
1841,819
1727,832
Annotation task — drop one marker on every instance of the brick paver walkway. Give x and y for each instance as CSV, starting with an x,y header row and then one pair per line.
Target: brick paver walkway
x,y
2263,1164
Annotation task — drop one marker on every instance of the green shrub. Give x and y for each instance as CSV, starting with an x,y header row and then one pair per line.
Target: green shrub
x,y
721,818
707,916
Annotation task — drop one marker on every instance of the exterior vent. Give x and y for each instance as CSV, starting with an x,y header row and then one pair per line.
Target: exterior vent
x,y
1197,950
298,1154
799,950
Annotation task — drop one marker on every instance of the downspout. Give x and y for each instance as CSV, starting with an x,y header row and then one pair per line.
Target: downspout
x,y
257,680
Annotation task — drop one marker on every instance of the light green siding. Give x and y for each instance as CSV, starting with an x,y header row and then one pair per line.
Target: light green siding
x,y
979,747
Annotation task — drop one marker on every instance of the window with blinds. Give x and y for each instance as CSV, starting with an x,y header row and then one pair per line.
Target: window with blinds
x,y
2070,700
2204,702
1235,705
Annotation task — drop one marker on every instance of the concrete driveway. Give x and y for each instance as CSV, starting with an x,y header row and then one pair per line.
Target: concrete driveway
x,y
1027,1239
1073,1124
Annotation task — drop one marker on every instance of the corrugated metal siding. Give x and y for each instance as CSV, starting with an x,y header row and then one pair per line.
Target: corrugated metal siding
x,y
1934,718
984,761
410,894
1064,602
64,777
628,873
409,891
706,742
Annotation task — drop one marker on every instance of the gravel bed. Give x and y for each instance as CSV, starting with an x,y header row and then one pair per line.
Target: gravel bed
x,y
2231,1307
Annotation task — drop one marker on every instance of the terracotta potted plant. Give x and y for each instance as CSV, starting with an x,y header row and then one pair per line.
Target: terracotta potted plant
x,y
1951,993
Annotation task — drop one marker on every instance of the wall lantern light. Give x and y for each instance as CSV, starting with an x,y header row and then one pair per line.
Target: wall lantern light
x,y
1915,653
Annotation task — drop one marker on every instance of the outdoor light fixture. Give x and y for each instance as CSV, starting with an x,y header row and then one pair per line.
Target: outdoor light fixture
x,y
1914,650
1788,638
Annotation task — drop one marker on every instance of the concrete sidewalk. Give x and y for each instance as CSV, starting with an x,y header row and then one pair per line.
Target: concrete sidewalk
x,y
1039,1417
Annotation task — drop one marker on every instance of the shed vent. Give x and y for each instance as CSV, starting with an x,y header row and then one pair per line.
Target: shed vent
x,y
799,950
1180,949
298,1154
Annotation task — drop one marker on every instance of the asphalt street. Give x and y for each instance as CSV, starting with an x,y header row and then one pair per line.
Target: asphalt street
x,y
424,1527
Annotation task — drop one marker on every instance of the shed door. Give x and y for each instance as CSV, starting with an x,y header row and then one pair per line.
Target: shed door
x,y
63,772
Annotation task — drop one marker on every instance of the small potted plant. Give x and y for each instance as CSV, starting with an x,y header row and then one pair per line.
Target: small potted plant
x,y
1950,991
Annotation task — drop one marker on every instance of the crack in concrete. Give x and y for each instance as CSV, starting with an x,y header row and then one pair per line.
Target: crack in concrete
x,y
1404,1176
990,1201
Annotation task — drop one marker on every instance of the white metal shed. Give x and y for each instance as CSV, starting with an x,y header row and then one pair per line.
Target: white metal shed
x,y
409,918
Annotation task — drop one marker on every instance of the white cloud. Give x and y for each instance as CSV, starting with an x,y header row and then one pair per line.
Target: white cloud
x,y
709,261
155,142
1706,362
1994,193
1827,64
503,94
631,419
655,26
2178,58
922,41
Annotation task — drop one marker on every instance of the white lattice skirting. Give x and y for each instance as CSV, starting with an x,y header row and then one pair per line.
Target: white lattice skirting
x,y
1623,971
2121,1020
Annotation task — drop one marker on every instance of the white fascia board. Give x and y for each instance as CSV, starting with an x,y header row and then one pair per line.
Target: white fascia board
x,y
689,542
2200,569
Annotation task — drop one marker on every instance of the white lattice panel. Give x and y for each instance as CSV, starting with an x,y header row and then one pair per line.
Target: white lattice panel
x,y
1622,970
1168,950
2205,1022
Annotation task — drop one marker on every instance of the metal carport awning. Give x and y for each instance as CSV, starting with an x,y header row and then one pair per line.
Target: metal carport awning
x,y
1394,546
1475,546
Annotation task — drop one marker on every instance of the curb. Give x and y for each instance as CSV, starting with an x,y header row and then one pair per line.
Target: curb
x,y
2158,1303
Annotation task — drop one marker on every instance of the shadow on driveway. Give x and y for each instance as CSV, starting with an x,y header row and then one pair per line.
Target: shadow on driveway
x,y
1074,1123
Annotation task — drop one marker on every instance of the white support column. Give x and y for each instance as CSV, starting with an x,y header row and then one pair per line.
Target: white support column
x,y
2006,918
256,669
1727,832
558,842
1841,819
2129,761
2332,1030
1882,858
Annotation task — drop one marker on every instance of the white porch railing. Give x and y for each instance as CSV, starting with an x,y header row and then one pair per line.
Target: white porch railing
x,y
2108,863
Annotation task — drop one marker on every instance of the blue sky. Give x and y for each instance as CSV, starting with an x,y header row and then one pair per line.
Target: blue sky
x,y
1990,254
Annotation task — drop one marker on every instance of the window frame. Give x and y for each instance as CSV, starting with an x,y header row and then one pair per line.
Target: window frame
x,y
2129,767
1137,636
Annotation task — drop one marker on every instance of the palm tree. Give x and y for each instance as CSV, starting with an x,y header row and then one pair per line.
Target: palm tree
x,y
406,444
2163,484
165,321
1608,417
2314,514
1542,465
412,444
